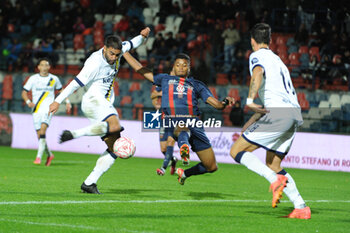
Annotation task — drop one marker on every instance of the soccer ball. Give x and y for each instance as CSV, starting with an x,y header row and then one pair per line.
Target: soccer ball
x,y
124,147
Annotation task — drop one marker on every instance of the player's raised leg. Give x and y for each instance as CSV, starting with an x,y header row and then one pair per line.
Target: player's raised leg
x,y
300,209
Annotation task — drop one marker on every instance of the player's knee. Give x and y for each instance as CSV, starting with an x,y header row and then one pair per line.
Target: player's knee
x,y
114,128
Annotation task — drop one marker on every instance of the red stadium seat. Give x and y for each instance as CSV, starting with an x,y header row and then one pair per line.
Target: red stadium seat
x,y
294,58
282,49
126,100
98,24
315,51
303,49
234,92
284,58
273,47
221,79
7,87
281,40
135,86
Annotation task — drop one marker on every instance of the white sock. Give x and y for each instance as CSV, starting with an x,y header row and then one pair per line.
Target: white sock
x,y
41,148
97,129
104,162
254,164
293,194
47,151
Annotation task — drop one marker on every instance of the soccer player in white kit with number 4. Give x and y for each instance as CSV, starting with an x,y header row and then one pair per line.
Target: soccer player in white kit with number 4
x,y
98,75
273,125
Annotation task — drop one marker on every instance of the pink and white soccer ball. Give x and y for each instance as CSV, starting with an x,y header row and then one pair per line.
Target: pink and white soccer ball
x,y
124,147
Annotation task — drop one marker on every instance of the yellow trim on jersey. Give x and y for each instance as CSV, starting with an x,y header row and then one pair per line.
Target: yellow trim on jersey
x,y
109,92
43,96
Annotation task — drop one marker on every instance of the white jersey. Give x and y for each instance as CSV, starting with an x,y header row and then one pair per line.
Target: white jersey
x,y
43,90
99,76
276,89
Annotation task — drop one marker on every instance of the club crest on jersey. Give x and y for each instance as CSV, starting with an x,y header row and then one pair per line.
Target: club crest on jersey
x,y
254,60
180,88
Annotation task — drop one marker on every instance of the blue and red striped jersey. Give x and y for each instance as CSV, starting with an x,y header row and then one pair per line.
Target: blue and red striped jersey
x,y
180,95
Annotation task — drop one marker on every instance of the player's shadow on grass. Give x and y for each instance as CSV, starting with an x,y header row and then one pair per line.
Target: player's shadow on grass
x,y
134,191
205,195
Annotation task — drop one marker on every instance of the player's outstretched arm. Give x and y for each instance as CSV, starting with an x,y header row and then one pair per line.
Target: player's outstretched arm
x,y
220,105
255,83
135,64
72,87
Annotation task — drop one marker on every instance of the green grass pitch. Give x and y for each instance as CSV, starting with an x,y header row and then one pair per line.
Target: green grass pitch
x,y
48,199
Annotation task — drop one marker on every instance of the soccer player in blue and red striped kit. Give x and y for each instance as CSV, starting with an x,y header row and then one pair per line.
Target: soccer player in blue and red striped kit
x,y
180,103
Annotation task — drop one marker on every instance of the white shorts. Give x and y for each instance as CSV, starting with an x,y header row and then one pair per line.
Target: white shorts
x,y
272,134
97,108
41,118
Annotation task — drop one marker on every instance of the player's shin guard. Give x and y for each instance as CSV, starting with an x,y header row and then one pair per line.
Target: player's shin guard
x,y
97,129
104,162
198,169
292,192
183,138
168,156
254,164
42,145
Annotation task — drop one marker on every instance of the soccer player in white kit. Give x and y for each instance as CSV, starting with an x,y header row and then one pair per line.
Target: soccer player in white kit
x,y
43,86
273,126
98,75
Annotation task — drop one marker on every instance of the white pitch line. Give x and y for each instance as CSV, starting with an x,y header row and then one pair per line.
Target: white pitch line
x,y
148,202
52,224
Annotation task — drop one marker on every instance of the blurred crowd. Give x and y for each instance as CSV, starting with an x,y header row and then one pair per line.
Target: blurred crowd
x,y
214,32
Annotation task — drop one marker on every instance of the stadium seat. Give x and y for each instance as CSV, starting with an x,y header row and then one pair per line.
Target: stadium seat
x,y
135,86
304,104
345,99
273,47
324,104
281,40
234,92
315,51
7,87
98,24
221,79
284,58
294,59
303,49
126,100
282,49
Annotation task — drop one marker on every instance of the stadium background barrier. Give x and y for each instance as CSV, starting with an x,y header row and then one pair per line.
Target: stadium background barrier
x,y
309,150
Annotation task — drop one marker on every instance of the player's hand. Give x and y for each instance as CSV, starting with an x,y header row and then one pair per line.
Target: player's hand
x,y
231,101
53,107
145,32
257,108
31,105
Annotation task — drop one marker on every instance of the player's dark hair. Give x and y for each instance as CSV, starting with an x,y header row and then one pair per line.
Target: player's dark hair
x,y
183,56
113,41
44,59
261,33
